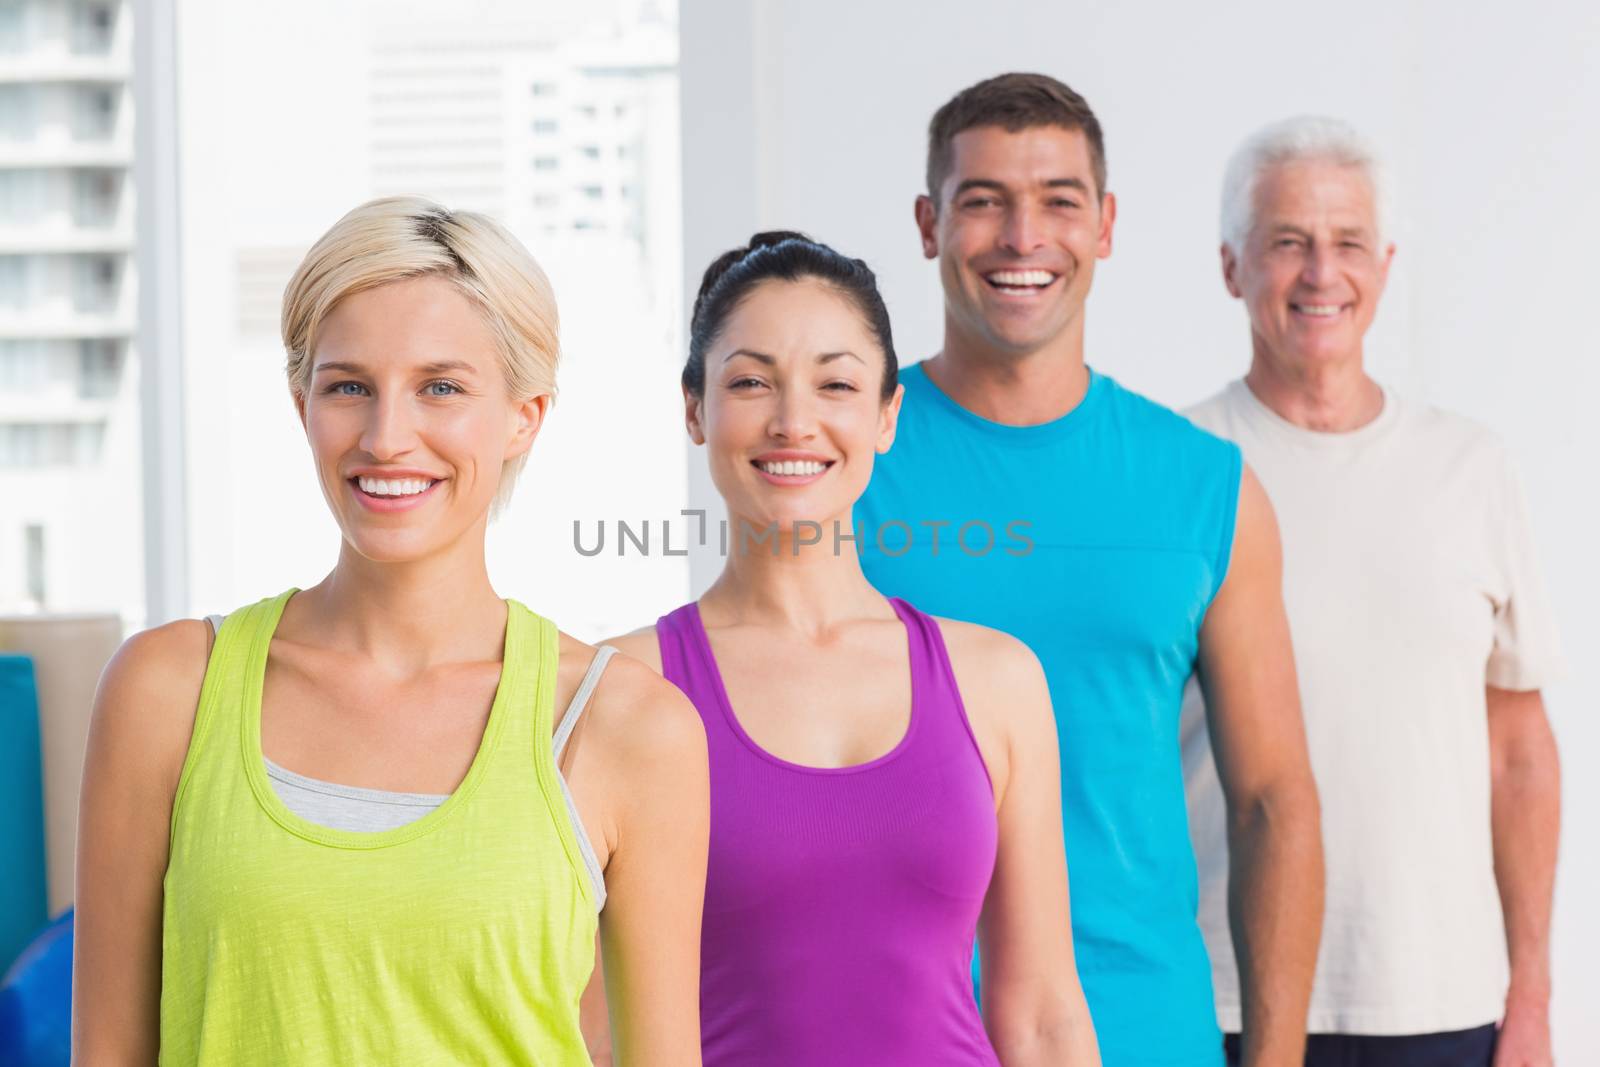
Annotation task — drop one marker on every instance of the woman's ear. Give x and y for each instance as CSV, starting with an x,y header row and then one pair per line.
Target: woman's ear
x,y
694,416
529,416
889,419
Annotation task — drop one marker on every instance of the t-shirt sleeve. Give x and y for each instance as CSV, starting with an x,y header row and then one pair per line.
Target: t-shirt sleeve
x,y
1526,653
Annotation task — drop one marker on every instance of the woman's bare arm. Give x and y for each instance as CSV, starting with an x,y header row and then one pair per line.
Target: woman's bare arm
x,y
648,759
138,737
594,1016
1034,1008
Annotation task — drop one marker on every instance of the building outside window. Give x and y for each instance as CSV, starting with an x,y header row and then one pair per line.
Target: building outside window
x,y
71,535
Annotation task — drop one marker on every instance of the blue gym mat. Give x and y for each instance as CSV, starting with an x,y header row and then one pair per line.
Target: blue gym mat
x,y
23,902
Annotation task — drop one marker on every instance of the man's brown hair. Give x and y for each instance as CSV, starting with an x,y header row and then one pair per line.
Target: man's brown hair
x,y
1015,101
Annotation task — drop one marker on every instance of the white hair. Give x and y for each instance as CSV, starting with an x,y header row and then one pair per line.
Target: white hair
x,y
1313,138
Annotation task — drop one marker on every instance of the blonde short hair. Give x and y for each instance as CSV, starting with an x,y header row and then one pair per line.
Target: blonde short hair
x,y
398,237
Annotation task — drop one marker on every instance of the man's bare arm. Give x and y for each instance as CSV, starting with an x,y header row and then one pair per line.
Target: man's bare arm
x,y
1274,833
1525,814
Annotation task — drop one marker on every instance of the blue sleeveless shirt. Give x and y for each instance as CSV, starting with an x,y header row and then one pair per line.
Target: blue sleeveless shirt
x,y
1099,539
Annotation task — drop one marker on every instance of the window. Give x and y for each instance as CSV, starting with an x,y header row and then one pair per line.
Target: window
x,y
18,112
13,24
24,366
99,368
95,291
15,283
95,194
28,445
94,114
91,28
33,562
24,196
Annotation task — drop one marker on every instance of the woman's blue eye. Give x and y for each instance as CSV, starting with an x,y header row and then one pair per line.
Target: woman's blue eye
x,y
441,388
347,388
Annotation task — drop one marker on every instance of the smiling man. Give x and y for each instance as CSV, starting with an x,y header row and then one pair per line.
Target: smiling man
x,y
1141,550
1420,630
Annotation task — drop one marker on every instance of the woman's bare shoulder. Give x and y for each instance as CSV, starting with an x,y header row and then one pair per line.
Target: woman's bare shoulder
x,y
1001,680
145,706
635,716
641,644
992,652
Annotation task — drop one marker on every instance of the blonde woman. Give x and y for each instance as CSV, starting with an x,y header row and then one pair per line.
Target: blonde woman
x,y
374,821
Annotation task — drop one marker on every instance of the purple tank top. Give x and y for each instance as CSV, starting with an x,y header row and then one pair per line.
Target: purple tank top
x,y
841,904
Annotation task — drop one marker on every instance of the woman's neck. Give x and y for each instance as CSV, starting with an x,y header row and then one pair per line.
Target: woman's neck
x,y
410,615
805,588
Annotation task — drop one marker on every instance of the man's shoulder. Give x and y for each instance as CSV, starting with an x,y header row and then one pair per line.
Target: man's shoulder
x,y
1439,439
1449,426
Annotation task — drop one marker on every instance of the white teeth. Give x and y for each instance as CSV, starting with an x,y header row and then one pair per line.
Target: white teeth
x,y
394,487
794,468
1319,310
1021,277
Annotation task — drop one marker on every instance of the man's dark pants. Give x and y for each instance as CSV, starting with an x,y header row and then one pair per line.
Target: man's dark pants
x,y
1455,1048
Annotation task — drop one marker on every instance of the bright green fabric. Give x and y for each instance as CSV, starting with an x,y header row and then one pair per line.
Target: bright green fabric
x,y
464,937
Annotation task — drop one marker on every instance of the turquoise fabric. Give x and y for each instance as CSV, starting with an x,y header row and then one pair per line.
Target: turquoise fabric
x,y
1108,532
23,901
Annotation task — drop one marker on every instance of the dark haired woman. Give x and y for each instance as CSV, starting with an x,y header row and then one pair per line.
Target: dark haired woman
x,y
883,783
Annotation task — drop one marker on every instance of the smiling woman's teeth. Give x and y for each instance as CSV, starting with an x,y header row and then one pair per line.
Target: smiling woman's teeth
x,y
394,487
1320,310
794,467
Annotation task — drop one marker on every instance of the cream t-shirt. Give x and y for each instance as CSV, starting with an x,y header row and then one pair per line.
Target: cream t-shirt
x,y
1410,583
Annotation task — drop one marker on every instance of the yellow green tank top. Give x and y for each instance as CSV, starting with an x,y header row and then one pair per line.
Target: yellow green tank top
x,y
466,936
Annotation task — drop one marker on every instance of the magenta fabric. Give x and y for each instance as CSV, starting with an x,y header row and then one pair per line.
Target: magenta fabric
x,y
841,904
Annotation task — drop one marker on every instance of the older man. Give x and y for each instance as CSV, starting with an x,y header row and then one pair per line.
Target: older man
x,y
1421,637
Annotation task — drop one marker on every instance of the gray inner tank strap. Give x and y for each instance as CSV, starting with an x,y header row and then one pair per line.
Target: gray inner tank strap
x,y
580,699
569,720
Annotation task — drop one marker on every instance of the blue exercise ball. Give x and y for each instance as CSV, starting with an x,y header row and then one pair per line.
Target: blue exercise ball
x,y
36,1001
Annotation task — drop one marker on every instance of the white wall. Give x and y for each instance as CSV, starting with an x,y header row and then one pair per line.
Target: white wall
x,y
813,116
